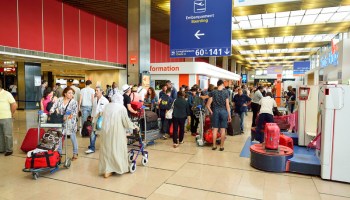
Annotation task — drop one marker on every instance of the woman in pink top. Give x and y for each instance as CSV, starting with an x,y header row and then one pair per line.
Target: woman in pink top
x,y
47,98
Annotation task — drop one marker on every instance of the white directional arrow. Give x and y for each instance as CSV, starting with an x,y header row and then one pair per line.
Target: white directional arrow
x,y
197,34
227,51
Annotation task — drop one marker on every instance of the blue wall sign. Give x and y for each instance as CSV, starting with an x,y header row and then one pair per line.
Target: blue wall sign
x,y
200,28
329,59
301,67
244,78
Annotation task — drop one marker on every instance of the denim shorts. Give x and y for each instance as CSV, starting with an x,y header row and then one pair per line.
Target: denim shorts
x,y
219,118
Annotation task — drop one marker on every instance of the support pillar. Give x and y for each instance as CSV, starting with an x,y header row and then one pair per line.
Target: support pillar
x,y
233,65
212,61
225,63
139,34
190,60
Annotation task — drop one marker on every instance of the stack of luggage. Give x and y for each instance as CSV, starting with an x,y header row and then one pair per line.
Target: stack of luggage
x,y
46,154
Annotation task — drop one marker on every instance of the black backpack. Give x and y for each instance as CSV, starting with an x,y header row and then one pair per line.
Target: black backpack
x,y
87,128
49,106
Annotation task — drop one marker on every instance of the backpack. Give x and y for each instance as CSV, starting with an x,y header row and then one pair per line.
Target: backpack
x,y
164,103
87,128
196,102
49,106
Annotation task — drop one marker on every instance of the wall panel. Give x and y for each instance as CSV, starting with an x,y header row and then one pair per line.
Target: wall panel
x,y
87,36
100,39
53,32
30,24
71,31
112,42
8,19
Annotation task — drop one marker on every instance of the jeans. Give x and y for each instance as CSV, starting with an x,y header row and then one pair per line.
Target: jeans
x,y
219,118
179,123
194,123
165,123
92,141
85,113
255,109
6,138
242,115
73,138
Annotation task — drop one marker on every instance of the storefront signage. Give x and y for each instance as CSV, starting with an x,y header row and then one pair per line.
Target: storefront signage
x,y
301,67
200,28
133,59
240,3
165,69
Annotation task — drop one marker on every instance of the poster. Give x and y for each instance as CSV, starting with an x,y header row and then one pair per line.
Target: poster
x,y
37,80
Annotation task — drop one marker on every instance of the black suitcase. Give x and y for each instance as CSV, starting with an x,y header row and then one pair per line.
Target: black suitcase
x,y
236,124
149,125
229,129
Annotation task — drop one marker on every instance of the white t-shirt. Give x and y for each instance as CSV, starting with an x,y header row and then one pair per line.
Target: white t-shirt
x,y
142,92
13,88
87,95
267,104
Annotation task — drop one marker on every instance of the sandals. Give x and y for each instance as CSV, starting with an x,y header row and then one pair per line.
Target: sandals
x,y
75,156
214,148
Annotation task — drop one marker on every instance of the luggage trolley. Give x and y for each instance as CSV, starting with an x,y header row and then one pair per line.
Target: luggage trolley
x,y
200,138
67,162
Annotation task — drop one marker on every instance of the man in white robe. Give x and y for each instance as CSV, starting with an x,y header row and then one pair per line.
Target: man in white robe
x,y
113,148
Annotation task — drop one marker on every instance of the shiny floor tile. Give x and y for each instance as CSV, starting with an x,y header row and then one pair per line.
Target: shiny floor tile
x,y
186,172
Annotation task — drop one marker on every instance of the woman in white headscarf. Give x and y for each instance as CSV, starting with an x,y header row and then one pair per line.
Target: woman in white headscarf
x,y
114,151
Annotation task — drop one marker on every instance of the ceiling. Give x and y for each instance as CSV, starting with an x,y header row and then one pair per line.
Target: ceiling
x,y
296,28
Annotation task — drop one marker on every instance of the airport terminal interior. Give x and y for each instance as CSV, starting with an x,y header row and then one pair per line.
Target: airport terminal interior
x,y
295,50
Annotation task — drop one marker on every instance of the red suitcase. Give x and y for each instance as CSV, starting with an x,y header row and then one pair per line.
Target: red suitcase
x,y
43,160
30,141
207,125
286,141
272,136
208,136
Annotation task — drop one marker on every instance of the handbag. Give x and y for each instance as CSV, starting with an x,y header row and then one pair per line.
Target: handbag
x,y
169,113
99,123
56,118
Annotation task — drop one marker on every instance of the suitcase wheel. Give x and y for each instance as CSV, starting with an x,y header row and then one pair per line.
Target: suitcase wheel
x,y
67,163
35,175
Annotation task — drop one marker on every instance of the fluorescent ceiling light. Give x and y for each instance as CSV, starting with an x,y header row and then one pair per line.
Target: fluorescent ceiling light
x,y
294,18
330,10
266,51
284,40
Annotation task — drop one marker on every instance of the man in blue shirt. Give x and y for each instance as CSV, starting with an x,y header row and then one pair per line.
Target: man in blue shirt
x,y
240,103
173,94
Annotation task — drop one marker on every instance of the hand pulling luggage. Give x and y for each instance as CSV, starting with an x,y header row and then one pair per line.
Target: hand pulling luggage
x,y
272,136
30,141
286,141
42,160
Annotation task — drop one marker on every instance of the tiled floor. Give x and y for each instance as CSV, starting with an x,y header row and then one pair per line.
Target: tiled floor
x,y
187,172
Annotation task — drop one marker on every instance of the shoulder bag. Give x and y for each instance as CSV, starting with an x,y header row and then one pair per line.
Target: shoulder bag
x,y
169,113
56,118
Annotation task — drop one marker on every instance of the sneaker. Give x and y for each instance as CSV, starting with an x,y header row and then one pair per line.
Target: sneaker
x,y
164,137
89,151
8,153
182,142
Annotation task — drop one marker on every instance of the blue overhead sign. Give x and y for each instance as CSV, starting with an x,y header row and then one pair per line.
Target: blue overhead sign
x,y
200,28
301,67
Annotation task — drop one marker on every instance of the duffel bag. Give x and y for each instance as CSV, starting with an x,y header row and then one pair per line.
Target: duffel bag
x,y
42,160
151,116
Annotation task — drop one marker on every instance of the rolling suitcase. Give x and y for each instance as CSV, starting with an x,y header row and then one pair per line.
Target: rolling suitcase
x,y
30,141
286,141
272,136
236,124
229,129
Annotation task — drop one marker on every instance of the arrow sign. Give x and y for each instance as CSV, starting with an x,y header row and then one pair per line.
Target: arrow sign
x,y
227,51
197,34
